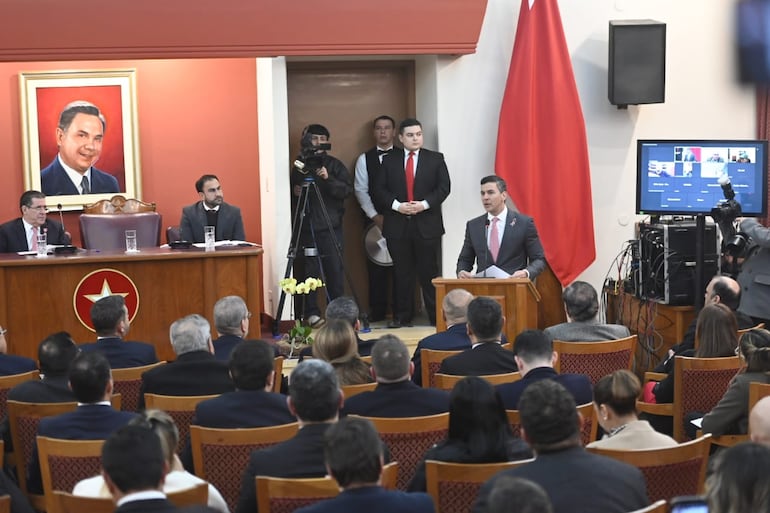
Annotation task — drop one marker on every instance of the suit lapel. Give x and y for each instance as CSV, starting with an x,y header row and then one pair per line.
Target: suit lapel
x,y
21,235
507,245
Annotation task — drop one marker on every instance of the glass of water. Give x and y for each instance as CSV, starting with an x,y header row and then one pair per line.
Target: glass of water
x,y
131,246
42,244
209,237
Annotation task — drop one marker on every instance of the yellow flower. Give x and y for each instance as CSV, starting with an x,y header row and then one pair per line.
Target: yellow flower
x,y
302,288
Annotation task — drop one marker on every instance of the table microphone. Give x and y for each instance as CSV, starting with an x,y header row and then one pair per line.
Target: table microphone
x,y
486,229
68,247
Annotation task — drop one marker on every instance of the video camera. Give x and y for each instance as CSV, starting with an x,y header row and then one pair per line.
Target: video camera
x,y
310,156
725,213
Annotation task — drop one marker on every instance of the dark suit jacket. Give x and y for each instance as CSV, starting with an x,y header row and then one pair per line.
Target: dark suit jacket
x,y
193,373
373,499
402,399
148,506
519,249
224,345
300,456
229,223
54,181
123,353
13,237
11,364
455,338
87,422
586,331
431,184
576,384
577,481
488,358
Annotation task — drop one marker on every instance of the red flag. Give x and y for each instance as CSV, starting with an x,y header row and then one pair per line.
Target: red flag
x,y
541,142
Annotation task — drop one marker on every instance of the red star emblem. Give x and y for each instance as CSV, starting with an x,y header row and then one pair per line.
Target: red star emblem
x,y
103,283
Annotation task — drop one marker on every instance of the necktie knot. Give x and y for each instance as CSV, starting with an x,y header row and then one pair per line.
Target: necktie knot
x,y
382,152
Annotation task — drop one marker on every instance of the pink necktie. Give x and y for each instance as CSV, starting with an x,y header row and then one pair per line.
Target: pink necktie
x,y
34,239
410,176
494,239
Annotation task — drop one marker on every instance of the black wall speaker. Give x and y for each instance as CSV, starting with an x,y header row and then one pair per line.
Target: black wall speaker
x,y
637,62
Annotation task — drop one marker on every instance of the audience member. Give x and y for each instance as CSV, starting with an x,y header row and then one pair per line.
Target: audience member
x,y
759,422
54,355
211,210
315,399
479,431
20,234
739,482
90,378
535,357
176,479
575,480
354,458
517,495
581,304
231,320
195,371
615,398
486,356
344,308
109,316
454,309
12,364
395,395
134,469
336,343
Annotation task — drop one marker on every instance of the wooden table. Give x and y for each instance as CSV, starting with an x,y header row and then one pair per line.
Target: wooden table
x,y
37,296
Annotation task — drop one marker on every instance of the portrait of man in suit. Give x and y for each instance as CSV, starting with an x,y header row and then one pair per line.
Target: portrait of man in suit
x,y
500,237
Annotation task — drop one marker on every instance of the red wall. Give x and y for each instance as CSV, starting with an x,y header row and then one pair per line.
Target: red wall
x,y
196,116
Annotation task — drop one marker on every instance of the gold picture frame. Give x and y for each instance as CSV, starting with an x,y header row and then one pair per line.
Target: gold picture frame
x,y
43,97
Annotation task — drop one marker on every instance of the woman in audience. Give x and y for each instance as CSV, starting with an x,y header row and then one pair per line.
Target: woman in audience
x,y
336,343
479,431
177,478
739,483
731,414
615,403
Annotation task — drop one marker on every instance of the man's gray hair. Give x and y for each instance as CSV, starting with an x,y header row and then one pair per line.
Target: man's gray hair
x,y
191,333
343,308
228,314
455,305
390,359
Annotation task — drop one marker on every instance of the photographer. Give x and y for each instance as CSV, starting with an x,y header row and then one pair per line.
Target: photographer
x,y
754,277
333,183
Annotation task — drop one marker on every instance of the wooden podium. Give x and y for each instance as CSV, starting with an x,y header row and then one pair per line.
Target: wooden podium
x,y
517,296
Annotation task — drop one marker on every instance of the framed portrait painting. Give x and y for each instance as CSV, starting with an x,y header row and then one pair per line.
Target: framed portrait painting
x,y
80,135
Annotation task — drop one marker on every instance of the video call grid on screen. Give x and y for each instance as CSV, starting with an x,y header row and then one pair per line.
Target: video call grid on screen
x,y
681,177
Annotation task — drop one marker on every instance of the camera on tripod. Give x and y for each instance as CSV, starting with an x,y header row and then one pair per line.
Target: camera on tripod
x,y
311,157
725,213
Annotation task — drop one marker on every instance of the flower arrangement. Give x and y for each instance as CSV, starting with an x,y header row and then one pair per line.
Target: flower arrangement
x,y
299,335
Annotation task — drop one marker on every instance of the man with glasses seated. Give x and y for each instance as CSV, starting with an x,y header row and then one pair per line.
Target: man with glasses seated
x,y
21,233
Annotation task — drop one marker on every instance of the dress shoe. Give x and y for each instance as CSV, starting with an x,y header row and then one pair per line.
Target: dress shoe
x,y
394,324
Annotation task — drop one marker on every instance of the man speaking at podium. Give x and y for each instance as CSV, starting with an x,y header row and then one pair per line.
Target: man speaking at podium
x,y
501,237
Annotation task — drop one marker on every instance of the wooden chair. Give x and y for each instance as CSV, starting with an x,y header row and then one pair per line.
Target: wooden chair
x,y
658,507
699,384
756,392
408,438
454,486
366,359
588,427
63,463
8,382
448,381
351,390
280,494
68,503
670,471
430,363
118,204
5,504
595,359
181,409
128,382
278,369
221,455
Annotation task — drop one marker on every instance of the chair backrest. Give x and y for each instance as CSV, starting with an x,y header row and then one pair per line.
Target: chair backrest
x,y
8,382
285,495
180,408
744,330
5,504
128,383
107,232
408,438
118,204
660,506
278,368
454,486
431,362
756,392
351,390
595,359
699,384
193,496
63,463
23,419
448,381
68,503
670,471
588,428
220,454
173,234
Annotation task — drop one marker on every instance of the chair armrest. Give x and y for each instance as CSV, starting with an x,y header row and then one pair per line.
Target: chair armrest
x,y
654,376
666,409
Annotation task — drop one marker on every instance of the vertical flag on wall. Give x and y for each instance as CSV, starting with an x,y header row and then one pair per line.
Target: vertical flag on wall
x,y
541,142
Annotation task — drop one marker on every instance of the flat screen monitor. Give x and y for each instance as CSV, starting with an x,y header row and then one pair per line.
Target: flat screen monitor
x,y
682,177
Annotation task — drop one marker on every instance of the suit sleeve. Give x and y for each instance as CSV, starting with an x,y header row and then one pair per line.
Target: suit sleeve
x,y
758,233
443,184
238,232
247,499
467,253
185,226
338,184
4,239
535,253
733,406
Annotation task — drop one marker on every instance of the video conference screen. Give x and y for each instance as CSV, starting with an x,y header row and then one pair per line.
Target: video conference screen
x,y
683,177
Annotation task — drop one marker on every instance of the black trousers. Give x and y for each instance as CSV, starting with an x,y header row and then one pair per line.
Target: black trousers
x,y
414,257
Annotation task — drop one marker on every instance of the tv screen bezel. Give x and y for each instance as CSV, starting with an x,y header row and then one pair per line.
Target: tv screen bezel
x,y
642,173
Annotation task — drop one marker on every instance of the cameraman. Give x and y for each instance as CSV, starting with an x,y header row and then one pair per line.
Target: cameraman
x,y
754,277
334,185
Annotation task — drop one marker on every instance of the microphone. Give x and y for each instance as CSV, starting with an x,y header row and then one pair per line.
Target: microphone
x,y
67,248
486,229
61,220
